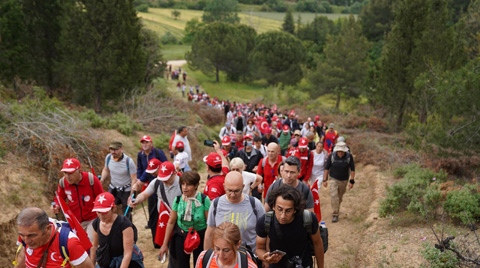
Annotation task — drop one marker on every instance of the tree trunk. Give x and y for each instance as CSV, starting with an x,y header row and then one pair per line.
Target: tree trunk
x,y
401,111
98,100
337,104
217,71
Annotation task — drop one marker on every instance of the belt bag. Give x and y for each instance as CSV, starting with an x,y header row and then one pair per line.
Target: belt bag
x,y
120,188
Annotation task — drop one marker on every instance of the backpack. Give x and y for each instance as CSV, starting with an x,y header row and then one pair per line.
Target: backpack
x,y
109,156
65,230
209,254
307,224
305,189
252,203
264,160
61,182
332,155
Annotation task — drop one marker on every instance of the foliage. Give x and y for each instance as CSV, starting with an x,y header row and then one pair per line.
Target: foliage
x,y
276,5
176,14
437,258
279,57
154,64
191,29
463,204
376,19
313,6
470,25
169,39
221,11
162,140
288,24
345,65
95,120
222,47
414,192
123,123
142,8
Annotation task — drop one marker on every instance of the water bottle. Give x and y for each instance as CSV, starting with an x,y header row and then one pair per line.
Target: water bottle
x,y
323,225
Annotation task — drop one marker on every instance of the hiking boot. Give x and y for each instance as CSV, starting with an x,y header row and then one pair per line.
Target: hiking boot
x,y
335,219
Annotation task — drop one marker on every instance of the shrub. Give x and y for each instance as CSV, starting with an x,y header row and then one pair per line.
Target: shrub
x,y
123,123
95,120
162,141
437,258
463,204
142,8
169,38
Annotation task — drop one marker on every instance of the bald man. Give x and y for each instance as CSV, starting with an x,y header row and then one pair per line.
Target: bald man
x,y
237,208
268,166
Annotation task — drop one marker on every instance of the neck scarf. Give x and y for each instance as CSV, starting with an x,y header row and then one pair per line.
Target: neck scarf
x,y
188,209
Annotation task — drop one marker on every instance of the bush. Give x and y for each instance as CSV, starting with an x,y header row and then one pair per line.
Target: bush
x,y
463,204
95,120
142,8
162,141
169,38
123,123
437,258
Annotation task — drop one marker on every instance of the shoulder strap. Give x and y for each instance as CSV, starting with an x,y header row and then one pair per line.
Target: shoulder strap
x,y
208,256
265,159
61,182
177,200
307,221
127,159
252,202
92,181
109,156
162,191
63,243
203,198
215,204
243,259
268,221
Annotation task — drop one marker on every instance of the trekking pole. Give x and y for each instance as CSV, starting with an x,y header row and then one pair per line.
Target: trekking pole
x,y
144,212
128,207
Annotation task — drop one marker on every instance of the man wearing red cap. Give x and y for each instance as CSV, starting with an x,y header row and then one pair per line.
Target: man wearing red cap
x,y
217,167
306,159
227,146
80,190
268,137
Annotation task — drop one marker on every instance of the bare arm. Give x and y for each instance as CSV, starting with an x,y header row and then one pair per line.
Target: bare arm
x,y
134,181
318,249
208,241
216,147
325,178
105,175
140,198
127,247
262,253
257,182
267,207
93,250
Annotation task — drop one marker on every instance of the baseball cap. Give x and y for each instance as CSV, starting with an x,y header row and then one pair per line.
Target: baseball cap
x,y
115,145
226,140
165,171
153,165
179,144
247,137
146,138
331,125
286,128
303,143
214,160
268,131
104,202
70,165
228,124
317,118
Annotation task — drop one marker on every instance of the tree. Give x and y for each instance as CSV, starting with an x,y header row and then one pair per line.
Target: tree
x,y
154,62
191,28
288,24
220,47
279,57
317,31
103,52
345,65
176,14
376,19
222,11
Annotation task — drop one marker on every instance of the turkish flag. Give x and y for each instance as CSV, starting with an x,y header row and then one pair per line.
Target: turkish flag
x,y
263,126
163,217
316,201
170,144
74,224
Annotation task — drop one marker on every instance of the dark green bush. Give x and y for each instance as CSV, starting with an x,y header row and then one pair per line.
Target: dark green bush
x,y
169,38
439,259
464,204
142,8
162,141
123,123
95,120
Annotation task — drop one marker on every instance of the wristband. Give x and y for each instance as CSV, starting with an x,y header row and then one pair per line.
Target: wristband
x,y
352,181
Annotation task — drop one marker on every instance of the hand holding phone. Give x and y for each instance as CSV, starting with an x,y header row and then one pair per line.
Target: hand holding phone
x,y
208,143
279,252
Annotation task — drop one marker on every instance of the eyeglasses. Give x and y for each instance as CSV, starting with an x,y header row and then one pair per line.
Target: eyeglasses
x,y
287,212
233,191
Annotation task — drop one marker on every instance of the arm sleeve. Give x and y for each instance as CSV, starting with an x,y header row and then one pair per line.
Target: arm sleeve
x,y
328,164
139,166
161,155
352,164
175,204
131,166
309,200
260,228
260,168
211,220
76,253
151,187
308,174
207,204
259,208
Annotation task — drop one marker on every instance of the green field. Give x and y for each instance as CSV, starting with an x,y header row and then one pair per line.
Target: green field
x,y
175,52
305,17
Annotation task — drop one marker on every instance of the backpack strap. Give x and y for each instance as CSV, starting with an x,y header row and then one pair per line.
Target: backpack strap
x,y
109,156
265,159
177,200
252,202
92,181
307,221
61,182
162,191
215,205
268,221
243,259
63,242
208,256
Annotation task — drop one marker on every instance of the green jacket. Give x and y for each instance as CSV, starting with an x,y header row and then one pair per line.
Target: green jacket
x,y
284,140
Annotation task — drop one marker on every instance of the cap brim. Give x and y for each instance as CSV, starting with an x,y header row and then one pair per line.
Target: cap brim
x,y
303,146
205,159
102,210
68,170
225,144
151,171
165,178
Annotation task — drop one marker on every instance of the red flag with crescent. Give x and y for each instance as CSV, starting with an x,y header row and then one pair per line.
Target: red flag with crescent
x,y
74,224
163,217
316,201
263,126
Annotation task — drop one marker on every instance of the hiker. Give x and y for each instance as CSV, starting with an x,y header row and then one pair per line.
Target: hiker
x,y
311,138
122,172
250,180
80,189
250,156
340,167
291,122
184,86
181,158
237,208
268,137
42,243
217,167
331,136
289,171
257,144
227,146
306,158
251,128
165,187
284,139
227,130
226,241
319,161
148,153
114,237
268,167
286,229
189,210
181,135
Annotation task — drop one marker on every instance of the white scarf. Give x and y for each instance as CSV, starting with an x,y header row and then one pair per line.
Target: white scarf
x,y
188,209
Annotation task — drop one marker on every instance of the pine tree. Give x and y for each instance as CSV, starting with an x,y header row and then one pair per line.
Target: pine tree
x,y
288,24
222,11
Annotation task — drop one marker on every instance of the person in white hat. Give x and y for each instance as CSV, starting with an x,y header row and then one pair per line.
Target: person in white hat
x,y
341,169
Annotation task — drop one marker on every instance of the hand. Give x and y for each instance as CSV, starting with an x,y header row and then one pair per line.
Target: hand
x,y
254,169
130,203
135,187
325,184
55,209
163,250
350,186
272,258
216,147
260,188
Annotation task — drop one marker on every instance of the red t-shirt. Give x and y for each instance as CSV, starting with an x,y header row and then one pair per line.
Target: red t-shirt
x,y
269,173
330,139
76,253
306,164
214,187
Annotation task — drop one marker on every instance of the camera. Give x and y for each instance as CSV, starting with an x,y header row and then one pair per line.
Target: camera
x,y
294,262
208,143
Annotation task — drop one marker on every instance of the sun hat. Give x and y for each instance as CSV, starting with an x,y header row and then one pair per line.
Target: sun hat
x,y
341,146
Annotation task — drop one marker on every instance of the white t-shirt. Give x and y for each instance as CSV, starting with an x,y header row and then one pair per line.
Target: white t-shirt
x,y
119,173
318,166
181,159
186,145
248,179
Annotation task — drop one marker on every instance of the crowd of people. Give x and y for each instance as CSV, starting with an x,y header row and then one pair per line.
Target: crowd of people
x,y
258,207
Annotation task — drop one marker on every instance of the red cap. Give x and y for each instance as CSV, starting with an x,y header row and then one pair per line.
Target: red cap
x,y
104,202
146,138
192,241
165,171
226,140
179,144
268,131
214,160
153,165
317,118
303,143
274,118
292,112
247,137
70,165
286,128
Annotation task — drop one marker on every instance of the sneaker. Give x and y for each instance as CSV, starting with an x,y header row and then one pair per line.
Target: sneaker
x,y
335,219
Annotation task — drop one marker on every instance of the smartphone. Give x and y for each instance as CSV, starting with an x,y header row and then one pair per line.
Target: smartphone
x,y
208,143
279,252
